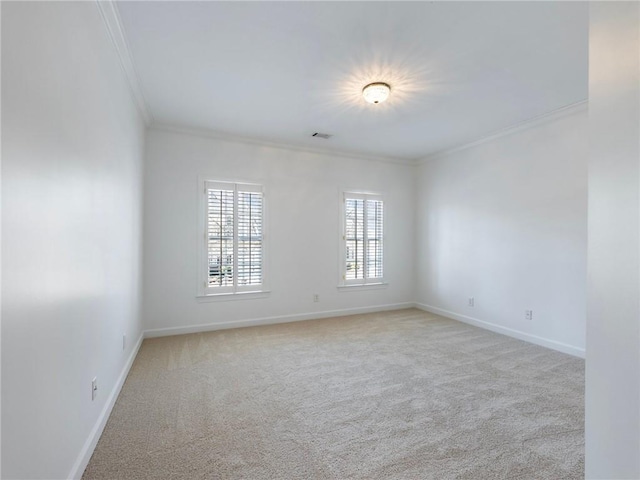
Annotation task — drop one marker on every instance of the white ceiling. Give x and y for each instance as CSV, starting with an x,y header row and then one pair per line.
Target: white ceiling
x,y
280,71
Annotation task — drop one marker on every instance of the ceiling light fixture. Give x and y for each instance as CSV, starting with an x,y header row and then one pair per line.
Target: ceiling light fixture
x,y
376,92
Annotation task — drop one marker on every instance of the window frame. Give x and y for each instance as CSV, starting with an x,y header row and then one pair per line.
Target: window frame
x,y
235,290
366,281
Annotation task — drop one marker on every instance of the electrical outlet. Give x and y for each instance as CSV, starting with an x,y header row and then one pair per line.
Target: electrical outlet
x,y
124,341
528,314
316,297
472,301
94,388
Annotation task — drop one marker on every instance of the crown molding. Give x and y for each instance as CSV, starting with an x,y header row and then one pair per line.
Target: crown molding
x,y
113,23
217,135
515,128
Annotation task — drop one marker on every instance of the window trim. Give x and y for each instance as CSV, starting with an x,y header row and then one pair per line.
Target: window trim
x,y
239,291
352,285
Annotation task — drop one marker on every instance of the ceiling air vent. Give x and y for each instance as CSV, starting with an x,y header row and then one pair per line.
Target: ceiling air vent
x,y
326,136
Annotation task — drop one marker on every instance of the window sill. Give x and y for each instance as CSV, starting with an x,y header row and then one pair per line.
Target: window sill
x,y
223,297
362,286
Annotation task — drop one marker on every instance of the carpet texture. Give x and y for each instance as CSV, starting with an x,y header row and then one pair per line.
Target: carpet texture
x,y
390,395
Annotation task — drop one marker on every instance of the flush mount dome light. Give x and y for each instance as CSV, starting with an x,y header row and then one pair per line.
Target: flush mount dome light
x,y
376,92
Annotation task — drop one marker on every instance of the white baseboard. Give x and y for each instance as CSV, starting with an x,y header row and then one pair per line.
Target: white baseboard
x,y
527,337
163,332
90,445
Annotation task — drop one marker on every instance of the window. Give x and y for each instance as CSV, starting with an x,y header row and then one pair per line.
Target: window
x,y
234,238
362,262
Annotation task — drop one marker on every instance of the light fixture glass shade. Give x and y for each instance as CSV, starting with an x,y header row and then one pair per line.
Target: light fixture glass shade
x,y
376,92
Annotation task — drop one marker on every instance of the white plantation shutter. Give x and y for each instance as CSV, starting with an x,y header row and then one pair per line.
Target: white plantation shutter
x,y
374,238
220,233
249,237
354,237
234,237
363,238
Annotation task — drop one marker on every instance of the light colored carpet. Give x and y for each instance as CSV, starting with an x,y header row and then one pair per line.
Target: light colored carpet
x,y
404,395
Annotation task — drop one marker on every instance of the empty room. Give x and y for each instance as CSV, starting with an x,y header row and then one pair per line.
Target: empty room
x,y
320,240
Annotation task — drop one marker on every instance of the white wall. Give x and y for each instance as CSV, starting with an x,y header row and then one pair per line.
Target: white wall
x,y
613,320
0,250
72,156
505,222
303,225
